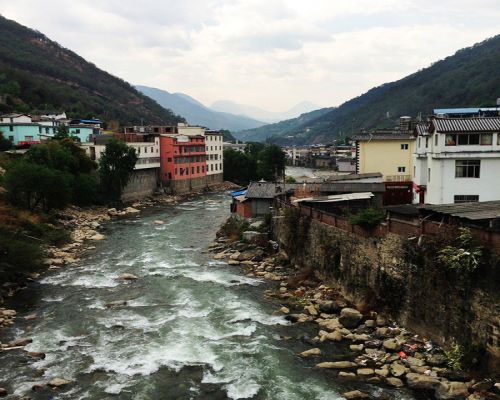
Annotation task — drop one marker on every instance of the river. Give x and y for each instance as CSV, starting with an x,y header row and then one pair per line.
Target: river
x,y
192,328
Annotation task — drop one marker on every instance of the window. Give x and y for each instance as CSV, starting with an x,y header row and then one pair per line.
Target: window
x,y
414,171
465,198
11,128
77,130
428,174
401,169
466,139
152,151
169,175
467,168
419,141
145,149
211,167
175,171
169,160
426,142
197,169
216,167
486,139
47,130
404,146
11,138
202,168
220,166
436,139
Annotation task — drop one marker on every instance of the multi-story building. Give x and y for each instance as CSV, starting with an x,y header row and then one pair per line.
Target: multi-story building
x,y
457,160
21,130
215,157
182,162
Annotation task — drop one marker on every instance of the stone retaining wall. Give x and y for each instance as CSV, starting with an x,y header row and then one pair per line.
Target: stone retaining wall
x,y
401,276
142,183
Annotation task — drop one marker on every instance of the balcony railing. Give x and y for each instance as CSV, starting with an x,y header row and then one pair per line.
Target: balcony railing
x,y
398,178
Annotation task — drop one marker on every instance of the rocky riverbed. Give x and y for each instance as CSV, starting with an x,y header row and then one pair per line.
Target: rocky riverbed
x,y
379,351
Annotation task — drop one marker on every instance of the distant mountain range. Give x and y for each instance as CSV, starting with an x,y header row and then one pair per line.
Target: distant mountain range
x,y
196,113
37,74
260,114
469,78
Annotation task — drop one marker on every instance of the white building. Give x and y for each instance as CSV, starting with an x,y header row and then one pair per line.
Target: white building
x,y
457,160
215,156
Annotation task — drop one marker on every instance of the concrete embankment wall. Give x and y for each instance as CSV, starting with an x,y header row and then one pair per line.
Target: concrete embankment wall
x,y
142,183
402,277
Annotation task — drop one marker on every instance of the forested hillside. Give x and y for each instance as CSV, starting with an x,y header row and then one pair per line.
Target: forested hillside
x,y
37,74
469,78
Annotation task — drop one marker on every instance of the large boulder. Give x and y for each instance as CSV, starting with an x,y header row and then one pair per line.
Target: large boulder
x,y
422,382
452,390
57,382
311,352
331,306
355,395
391,345
398,370
336,365
350,318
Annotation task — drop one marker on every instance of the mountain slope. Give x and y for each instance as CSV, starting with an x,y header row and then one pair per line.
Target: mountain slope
x,y
468,78
260,114
196,113
38,74
281,129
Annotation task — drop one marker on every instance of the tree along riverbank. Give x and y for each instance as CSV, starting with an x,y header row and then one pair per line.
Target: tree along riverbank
x,y
380,352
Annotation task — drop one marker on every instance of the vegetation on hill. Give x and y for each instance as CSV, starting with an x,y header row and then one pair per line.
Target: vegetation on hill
x,y
37,74
469,78
259,161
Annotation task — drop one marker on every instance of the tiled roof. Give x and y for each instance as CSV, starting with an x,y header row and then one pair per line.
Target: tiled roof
x,y
480,124
472,211
422,129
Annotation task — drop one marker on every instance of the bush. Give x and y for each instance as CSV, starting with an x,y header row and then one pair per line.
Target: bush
x,y
368,218
462,255
233,228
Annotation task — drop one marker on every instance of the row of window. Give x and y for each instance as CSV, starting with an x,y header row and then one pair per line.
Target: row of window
x,y
190,149
185,171
213,156
212,138
186,160
463,169
453,139
145,148
212,148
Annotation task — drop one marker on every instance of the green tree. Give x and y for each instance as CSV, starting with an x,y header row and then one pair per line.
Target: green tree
x,y
62,132
271,162
115,167
30,185
239,167
5,144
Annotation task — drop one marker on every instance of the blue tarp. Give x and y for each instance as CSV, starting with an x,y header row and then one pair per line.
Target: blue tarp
x,y
239,193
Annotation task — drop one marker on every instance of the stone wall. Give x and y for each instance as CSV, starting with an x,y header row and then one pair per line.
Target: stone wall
x,y
215,179
142,183
401,277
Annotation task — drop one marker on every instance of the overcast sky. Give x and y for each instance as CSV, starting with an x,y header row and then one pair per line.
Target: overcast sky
x,y
268,53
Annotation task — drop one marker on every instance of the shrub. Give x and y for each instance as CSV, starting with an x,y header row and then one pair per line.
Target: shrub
x,y
462,255
368,218
454,357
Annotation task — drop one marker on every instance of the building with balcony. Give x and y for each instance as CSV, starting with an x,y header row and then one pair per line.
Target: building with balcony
x,y
182,163
457,160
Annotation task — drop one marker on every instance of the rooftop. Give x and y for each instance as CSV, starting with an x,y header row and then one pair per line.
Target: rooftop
x,y
267,190
472,211
463,125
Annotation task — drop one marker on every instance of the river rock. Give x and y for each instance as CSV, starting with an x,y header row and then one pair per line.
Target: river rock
x,y
284,310
335,336
424,382
128,277
382,372
451,375
370,323
20,342
398,370
250,255
311,310
158,222
336,365
3,392
233,262
311,352
452,390
365,372
355,394
350,318
436,360
131,210
394,382
347,375
483,385
9,313
97,236
381,320
391,345
330,324
416,362
36,355
116,303
330,306
57,382
356,347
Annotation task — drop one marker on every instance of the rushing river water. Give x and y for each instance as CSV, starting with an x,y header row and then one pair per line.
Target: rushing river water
x,y
192,328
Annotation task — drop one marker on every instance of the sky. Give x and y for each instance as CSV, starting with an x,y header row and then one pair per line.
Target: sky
x,y
267,53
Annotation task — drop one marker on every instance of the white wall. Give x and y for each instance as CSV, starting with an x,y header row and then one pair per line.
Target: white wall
x,y
215,148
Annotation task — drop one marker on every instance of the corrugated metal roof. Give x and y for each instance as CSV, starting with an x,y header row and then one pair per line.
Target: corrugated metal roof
x,y
473,211
456,125
337,197
352,187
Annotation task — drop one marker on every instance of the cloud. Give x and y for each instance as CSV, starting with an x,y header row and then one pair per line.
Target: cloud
x,y
268,53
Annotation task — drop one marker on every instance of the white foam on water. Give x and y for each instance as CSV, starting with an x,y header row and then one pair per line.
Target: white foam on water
x,y
55,299
132,320
242,390
95,281
221,277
